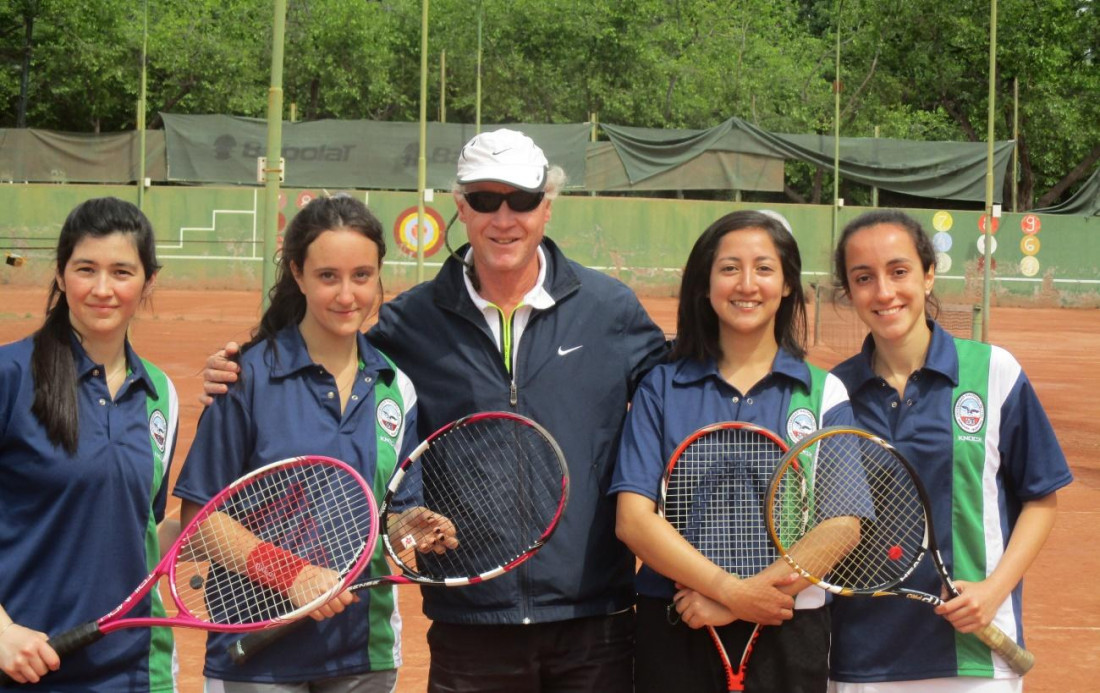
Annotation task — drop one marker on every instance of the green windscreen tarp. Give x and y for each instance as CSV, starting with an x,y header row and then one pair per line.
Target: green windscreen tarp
x,y
43,156
946,170
360,154
711,170
344,153
1085,201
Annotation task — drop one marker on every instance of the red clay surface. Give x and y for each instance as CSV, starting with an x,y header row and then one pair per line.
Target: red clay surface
x,y
1055,347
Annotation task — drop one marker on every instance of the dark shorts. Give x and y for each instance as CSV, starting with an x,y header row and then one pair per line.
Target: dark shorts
x,y
577,656
792,658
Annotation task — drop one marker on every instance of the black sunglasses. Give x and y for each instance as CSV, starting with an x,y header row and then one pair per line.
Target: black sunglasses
x,y
518,201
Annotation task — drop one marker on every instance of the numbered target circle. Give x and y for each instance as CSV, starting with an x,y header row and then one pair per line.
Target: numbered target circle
x,y
943,263
992,245
942,241
1029,245
942,221
1030,224
982,220
1029,266
305,197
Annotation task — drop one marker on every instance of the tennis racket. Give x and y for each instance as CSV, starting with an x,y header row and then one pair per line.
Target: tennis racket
x,y
475,500
268,549
712,494
841,472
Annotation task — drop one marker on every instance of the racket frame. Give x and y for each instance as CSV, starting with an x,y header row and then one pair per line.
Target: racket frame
x,y
246,647
1019,659
167,565
409,574
362,558
735,678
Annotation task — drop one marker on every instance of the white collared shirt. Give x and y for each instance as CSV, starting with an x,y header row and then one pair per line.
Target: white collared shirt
x,y
538,298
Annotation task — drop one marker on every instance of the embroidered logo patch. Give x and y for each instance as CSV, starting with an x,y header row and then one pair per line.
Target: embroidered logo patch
x,y
389,416
970,412
158,430
800,424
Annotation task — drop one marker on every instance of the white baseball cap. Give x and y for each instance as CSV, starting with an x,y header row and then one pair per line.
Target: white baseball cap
x,y
503,156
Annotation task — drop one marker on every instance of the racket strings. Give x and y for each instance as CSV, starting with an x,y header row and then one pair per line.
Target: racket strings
x,y
846,479
495,483
312,522
713,497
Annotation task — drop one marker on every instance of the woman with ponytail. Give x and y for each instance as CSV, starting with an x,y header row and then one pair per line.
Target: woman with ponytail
x,y
310,383
87,432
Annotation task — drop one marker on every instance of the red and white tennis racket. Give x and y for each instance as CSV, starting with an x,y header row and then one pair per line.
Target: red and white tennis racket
x,y
268,549
475,500
868,523
712,493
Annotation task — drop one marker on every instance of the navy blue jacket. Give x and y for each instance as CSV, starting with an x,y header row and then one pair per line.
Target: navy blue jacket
x,y
576,370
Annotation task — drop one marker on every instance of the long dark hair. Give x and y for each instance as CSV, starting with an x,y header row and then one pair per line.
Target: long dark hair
x,y
925,250
696,321
52,366
288,303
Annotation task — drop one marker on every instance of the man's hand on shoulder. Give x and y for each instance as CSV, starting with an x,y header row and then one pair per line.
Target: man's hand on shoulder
x,y
220,371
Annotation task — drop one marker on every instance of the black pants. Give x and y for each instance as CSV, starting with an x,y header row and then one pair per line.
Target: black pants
x,y
792,658
584,655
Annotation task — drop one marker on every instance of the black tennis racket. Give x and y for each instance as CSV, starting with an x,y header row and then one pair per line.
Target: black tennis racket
x,y
712,494
839,476
475,500
268,549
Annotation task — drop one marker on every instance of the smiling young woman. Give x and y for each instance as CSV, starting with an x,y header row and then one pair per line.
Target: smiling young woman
x,y
311,383
87,430
968,418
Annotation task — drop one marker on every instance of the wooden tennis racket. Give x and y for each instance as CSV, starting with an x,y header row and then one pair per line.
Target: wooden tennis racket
x,y
842,472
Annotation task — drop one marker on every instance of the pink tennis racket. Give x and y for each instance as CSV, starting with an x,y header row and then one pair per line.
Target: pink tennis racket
x,y
270,548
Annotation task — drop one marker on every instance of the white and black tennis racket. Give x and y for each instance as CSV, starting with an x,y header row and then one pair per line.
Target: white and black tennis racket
x,y
268,549
712,494
475,500
843,473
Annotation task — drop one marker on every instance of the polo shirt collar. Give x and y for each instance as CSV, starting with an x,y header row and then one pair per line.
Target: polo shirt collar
x,y
134,365
538,297
293,356
942,357
785,364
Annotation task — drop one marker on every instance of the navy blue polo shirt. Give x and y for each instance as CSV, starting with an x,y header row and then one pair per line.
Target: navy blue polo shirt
x,y
900,639
74,528
286,405
676,399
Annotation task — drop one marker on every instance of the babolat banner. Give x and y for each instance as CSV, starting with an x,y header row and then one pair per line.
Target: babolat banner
x,y
345,153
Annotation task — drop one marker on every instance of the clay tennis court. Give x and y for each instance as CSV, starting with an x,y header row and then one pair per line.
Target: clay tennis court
x,y
1055,346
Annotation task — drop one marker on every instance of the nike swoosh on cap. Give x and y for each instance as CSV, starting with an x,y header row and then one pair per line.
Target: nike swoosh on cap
x,y
563,351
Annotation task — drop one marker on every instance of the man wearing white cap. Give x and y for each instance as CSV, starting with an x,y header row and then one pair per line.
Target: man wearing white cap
x,y
510,323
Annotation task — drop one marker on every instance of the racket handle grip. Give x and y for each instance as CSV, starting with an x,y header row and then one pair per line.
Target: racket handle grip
x,y
245,648
1019,659
75,638
69,641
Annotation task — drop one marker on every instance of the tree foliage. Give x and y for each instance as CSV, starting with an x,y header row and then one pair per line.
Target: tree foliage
x,y
916,70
